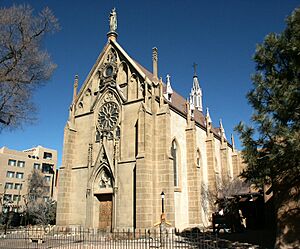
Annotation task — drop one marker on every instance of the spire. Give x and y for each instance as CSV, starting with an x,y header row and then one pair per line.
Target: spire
x,y
154,62
112,34
161,96
169,90
222,130
232,142
208,122
188,111
196,92
75,88
208,119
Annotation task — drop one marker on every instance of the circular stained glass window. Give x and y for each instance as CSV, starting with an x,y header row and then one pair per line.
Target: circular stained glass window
x,y
108,71
108,116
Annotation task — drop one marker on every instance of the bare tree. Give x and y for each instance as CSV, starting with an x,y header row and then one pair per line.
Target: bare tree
x,y
24,65
224,189
38,210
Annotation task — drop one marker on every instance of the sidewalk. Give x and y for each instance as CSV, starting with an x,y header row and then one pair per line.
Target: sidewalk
x,y
262,239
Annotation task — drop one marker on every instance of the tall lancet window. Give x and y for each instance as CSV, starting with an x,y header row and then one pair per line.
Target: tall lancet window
x,y
199,161
174,154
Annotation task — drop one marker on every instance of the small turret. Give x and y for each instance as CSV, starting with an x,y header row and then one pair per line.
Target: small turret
x,y
196,92
75,87
222,131
208,121
232,142
169,90
155,63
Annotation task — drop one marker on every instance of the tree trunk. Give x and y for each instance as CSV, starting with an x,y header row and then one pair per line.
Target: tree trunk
x,y
287,206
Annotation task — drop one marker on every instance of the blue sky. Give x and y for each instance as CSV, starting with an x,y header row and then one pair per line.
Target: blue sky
x,y
220,36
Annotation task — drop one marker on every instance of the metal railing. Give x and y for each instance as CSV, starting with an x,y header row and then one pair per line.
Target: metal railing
x,y
66,238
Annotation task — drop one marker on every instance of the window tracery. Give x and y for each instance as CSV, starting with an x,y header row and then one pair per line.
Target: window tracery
x,y
105,180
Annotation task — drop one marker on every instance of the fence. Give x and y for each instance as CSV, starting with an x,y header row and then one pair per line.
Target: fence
x,y
80,238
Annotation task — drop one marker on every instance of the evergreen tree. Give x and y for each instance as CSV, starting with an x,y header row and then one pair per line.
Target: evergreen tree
x,y
272,145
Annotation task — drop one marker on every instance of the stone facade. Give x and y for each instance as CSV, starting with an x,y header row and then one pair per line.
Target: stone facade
x,y
129,137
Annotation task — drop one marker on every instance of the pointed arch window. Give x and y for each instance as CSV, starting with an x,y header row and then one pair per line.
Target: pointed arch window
x,y
199,159
105,180
174,154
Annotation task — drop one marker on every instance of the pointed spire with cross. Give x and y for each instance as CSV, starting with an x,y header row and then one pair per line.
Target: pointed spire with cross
x,y
196,92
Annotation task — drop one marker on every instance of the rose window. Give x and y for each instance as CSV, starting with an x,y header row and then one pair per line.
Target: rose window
x,y
108,116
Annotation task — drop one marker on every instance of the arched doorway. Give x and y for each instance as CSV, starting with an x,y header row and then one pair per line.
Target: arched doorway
x,y
103,191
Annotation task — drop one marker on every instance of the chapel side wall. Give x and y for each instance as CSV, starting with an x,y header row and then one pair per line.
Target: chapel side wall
x,y
178,124
201,145
218,165
165,175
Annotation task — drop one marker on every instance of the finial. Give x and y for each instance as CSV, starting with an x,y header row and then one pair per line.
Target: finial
x,y
222,130
75,88
195,69
168,78
112,34
208,119
154,62
232,142
169,90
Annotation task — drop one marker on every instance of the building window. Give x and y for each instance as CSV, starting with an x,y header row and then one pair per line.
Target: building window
x,y
21,164
48,178
12,162
47,168
47,155
174,154
19,175
18,186
10,174
36,166
17,198
9,185
7,197
46,198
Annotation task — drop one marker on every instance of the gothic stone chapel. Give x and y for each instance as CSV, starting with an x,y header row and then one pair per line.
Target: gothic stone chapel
x,y
129,137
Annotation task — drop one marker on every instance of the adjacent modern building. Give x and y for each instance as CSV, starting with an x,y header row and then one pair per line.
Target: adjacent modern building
x,y
15,169
129,137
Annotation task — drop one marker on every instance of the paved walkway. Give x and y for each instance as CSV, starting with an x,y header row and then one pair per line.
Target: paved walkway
x,y
262,239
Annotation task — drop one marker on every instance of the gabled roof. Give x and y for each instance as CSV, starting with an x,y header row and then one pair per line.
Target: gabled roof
x,y
178,102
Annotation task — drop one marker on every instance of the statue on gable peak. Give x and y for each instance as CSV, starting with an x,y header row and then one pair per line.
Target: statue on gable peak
x,y
113,20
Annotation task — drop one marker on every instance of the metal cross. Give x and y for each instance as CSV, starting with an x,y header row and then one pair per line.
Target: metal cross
x,y
195,68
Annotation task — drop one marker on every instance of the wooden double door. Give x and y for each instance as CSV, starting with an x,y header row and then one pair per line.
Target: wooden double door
x,y
105,212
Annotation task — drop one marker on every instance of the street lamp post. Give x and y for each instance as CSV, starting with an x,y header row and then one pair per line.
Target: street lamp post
x,y
162,202
162,219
